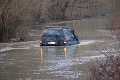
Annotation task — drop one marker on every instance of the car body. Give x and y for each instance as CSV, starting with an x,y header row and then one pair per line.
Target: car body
x,y
58,36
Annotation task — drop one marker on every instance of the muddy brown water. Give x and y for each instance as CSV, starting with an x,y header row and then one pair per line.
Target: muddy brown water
x,y
28,61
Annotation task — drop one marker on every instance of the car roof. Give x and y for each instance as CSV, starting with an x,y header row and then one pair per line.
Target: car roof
x,y
57,27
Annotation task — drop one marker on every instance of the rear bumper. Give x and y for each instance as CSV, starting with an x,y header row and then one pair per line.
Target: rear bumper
x,y
51,45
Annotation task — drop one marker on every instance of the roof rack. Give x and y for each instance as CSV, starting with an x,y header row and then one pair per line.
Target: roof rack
x,y
56,27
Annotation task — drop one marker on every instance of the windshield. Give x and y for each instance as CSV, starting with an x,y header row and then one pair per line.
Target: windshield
x,y
53,33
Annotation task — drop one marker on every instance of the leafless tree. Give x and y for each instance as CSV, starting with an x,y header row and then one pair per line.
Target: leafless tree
x,y
58,9
14,13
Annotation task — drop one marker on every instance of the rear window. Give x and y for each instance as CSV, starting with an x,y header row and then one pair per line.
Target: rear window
x,y
53,32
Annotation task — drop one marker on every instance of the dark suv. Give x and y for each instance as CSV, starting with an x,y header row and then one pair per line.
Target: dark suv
x,y
58,36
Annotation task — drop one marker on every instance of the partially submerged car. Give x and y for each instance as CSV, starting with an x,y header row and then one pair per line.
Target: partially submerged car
x,y
58,36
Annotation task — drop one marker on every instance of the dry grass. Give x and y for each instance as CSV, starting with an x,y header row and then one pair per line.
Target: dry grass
x,y
108,69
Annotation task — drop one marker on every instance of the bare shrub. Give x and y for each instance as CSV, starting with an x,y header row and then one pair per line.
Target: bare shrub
x,y
108,69
15,13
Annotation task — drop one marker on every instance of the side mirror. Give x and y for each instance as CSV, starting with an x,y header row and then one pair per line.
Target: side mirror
x,y
77,38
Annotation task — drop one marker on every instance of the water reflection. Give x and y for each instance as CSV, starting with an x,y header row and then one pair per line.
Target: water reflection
x,y
57,61
52,54
59,52
65,51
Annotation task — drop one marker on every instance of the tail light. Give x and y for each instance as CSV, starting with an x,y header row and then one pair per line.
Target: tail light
x,y
65,41
40,40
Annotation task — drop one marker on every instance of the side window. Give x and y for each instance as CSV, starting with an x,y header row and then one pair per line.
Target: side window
x,y
68,34
71,34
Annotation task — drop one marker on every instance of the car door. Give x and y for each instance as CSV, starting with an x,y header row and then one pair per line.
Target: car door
x,y
70,37
74,39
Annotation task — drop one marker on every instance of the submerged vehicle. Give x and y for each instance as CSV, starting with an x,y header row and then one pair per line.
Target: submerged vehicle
x,y
58,36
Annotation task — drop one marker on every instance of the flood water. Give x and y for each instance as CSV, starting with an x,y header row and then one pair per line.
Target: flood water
x,y
29,61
